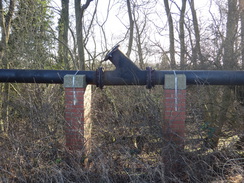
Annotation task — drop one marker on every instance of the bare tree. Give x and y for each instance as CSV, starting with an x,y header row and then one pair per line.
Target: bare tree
x,y
241,4
79,14
63,34
223,99
140,29
131,29
182,35
229,62
5,24
196,52
171,34
229,58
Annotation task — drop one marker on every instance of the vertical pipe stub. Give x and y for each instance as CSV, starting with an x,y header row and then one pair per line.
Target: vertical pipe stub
x,y
110,53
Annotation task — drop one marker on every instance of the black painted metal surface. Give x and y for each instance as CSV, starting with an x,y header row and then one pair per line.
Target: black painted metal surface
x,y
40,76
126,73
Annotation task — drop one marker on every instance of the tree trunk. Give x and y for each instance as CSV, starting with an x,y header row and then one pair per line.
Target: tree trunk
x,y
171,35
241,4
196,52
131,29
222,116
139,40
182,36
63,35
229,58
229,63
5,23
79,13
79,34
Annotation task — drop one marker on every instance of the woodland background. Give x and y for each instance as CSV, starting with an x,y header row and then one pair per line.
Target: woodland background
x,y
127,143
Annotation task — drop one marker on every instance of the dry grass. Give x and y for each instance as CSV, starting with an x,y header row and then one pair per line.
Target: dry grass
x,y
127,143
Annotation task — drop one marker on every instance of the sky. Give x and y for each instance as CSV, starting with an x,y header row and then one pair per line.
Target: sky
x,y
202,8
117,20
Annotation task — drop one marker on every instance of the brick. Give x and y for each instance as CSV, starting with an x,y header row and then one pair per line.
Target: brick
x,y
176,122
67,90
170,96
74,114
177,127
174,118
172,108
72,97
74,110
70,119
72,89
172,100
76,126
168,105
70,104
174,115
74,135
173,121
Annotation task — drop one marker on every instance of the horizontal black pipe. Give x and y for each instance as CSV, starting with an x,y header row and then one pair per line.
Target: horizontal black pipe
x,y
193,77
125,73
41,76
205,77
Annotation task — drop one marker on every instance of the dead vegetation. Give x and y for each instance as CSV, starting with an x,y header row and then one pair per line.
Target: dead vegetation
x,y
127,143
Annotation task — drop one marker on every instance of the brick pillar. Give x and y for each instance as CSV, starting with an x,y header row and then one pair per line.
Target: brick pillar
x,y
174,108
75,86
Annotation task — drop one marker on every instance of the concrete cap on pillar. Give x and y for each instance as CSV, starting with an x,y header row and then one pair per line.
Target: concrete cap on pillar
x,y
169,81
75,81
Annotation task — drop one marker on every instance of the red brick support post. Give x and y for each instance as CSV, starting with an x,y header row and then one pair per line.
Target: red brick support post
x,y
174,108
75,86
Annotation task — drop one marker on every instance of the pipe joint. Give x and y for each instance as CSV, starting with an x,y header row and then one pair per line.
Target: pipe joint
x,y
99,77
150,78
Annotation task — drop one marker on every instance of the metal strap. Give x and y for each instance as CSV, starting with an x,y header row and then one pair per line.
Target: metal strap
x,y
74,93
176,91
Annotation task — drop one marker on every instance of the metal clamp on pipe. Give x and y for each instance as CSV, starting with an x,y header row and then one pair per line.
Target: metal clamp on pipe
x,y
99,77
150,78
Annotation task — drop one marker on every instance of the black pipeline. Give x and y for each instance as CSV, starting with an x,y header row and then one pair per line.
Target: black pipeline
x,y
126,73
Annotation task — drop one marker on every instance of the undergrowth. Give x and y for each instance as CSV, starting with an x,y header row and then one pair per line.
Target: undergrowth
x,y
127,141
